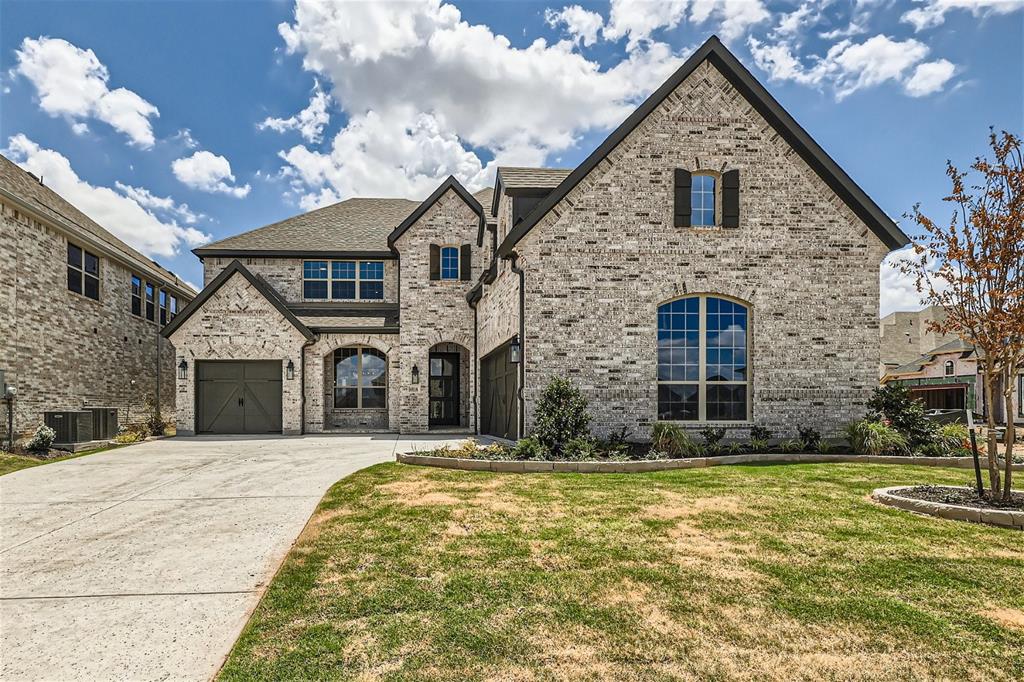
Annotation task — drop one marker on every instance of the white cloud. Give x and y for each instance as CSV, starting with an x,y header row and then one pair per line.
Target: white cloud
x,y
583,25
143,197
898,291
428,94
793,22
122,215
848,66
72,83
208,172
639,19
929,77
931,13
310,122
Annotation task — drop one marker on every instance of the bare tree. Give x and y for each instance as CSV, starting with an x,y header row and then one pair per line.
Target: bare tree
x,y
974,268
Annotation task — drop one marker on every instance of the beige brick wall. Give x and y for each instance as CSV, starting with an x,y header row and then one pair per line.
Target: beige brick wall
x,y
434,311
599,265
904,336
63,351
238,323
285,275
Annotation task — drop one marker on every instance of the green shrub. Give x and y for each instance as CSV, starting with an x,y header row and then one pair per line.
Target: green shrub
x,y
760,433
529,448
672,440
953,437
809,436
580,449
561,415
869,437
127,436
759,445
712,436
824,447
892,403
733,448
791,446
41,440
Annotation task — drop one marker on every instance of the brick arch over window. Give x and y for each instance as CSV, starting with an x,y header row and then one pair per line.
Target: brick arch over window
x,y
703,359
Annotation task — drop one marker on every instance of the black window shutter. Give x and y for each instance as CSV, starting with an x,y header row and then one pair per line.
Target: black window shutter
x,y
682,198
435,261
731,198
465,261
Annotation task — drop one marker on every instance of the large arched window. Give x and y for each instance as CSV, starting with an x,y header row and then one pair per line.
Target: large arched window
x,y
360,378
703,370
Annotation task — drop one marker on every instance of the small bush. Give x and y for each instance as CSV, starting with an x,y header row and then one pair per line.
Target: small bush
x,y
791,446
759,445
672,440
127,436
529,448
760,433
561,415
712,436
41,440
733,448
467,449
809,436
824,447
156,426
893,403
580,449
876,438
953,437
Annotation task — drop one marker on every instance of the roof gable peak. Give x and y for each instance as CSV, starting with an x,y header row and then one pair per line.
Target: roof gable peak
x,y
450,183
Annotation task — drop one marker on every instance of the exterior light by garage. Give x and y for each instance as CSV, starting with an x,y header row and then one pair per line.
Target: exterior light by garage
x,y
515,351
290,369
415,374
182,369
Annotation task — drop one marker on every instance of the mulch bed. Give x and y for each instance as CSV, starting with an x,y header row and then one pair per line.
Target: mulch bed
x,y
962,496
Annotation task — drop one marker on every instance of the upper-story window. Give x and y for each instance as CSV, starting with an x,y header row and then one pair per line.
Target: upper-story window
x,y
343,280
174,309
83,272
948,368
449,262
150,303
702,201
136,296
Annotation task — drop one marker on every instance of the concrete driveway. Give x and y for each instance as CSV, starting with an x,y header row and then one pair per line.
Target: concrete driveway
x,y
144,563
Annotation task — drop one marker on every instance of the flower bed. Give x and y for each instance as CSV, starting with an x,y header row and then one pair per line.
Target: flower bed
x,y
954,503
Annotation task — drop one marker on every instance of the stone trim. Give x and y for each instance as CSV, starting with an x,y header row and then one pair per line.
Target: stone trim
x,y
512,466
891,497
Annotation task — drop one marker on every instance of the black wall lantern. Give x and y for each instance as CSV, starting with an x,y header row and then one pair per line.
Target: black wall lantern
x,y
415,374
182,369
515,351
290,370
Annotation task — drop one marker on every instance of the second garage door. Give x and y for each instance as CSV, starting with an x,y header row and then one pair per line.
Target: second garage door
x,y
238,396
499,403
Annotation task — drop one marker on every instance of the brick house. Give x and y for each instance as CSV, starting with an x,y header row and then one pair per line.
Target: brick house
x,y
80,314
707,264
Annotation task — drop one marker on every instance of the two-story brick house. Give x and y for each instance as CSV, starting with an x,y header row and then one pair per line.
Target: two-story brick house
x,y
80,313
707,264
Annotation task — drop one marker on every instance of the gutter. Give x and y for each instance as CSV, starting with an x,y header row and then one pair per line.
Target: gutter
x,y
473,297
302,386
514,260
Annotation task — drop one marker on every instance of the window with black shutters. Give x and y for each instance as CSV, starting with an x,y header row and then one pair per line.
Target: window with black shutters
x,y
83,272
706,199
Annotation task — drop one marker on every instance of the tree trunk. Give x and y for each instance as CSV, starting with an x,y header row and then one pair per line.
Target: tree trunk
x,y
1011,430
990,421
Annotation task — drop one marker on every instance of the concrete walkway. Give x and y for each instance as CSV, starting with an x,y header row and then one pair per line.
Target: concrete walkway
x,y
144,563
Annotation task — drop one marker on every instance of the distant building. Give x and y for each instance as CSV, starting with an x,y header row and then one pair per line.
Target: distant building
x,y
905,337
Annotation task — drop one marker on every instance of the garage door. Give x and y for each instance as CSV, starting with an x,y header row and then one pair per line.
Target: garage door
x,y
498,401
238,397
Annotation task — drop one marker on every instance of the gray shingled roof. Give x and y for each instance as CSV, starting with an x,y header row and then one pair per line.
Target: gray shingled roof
x,y
353,225
485,196
512,177
955,346
26,187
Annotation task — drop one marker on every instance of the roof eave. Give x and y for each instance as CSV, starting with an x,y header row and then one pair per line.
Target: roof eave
x,y
450,183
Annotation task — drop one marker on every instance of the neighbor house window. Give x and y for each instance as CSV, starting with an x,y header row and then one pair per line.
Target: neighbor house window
x,y
343,280
150,303
360,378
83,272
449,262
136,296
163,307
702,201
174,309
949,368
703,371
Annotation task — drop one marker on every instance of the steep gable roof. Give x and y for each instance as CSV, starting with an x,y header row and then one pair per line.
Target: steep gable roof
x,y
717,54
529,181
235,267
358,226
450,184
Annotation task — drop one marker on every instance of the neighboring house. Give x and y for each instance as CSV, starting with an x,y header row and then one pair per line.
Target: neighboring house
x,y
80,314
948,378
904,336
707,264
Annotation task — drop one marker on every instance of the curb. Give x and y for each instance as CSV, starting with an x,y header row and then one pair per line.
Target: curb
x,y
521,467
954,512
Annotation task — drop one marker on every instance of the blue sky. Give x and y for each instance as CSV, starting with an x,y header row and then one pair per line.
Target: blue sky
x,y
176,122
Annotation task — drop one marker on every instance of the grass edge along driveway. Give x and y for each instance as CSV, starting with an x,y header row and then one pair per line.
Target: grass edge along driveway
x,y
748,572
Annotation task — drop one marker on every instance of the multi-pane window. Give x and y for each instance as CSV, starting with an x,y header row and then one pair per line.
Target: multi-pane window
x,y
174,308
136,296
83,272
702,201
449,262
703,371
163,307
343,280
360,378
150,303
948,368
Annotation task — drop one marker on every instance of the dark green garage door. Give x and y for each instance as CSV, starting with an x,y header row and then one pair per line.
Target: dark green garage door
x,y
238,397
499,405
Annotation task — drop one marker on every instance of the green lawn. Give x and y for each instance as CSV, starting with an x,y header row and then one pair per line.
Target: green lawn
x,y
9,462
766,573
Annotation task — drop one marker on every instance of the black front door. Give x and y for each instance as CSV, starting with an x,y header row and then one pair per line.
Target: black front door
x,y
444,389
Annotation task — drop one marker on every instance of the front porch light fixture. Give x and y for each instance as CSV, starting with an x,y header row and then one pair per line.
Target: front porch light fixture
x,y
415,374
515,351
182,369
290,370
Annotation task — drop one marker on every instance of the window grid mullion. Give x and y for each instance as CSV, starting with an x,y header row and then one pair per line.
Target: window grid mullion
x,y
702,364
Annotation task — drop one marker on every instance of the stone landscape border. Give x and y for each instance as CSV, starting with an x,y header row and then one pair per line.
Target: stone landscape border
x,y
529,467
996,517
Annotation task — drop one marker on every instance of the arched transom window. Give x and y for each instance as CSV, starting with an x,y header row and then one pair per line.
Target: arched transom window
x,y
703,370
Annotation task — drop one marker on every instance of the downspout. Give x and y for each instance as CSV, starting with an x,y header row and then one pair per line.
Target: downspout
x,y
302,386
514,260
476,367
